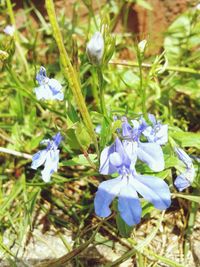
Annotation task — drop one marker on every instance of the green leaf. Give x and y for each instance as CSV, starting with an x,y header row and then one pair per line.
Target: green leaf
x,y
83,136
80,160
124,229
187,139
188,197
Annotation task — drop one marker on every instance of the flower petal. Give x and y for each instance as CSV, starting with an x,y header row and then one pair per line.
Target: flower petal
x,y
107,191
183,156
131,150
54,85
185,179
38,159
153,189
105,166
51,165
162,135
115,159
129,205
152,155
43,92
181,182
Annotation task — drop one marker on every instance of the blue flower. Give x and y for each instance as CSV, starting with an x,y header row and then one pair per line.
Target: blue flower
x,y
49,157
150,153
157,133
121,157
186,178
49,89
95,48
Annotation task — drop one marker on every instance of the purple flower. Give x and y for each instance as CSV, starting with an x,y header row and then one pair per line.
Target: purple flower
x,y
121,157
49,89
49,157
186,178
150,153
157,133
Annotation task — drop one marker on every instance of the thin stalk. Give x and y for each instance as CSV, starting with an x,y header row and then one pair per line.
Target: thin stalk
x,y
15,153
148,66
69,72
101,91
17,41
142,86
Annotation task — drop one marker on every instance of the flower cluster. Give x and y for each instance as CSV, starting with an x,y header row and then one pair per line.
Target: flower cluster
x,y
121,158
49,89
49,157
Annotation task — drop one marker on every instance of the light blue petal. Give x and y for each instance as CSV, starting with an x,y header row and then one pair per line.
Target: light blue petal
x,y
115,159
38,159
43,92
105,166
152,155
152,118
153,189
107,191
57,139
41,76
59,96
119,148
54,85
162,135
51,165
131,150
129,205
181,182
183,156
126,128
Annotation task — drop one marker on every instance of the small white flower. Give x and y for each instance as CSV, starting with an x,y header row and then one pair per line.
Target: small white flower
x,y
9,30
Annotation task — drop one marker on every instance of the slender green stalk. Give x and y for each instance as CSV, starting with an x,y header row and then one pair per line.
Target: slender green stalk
x,y
17,40
148,66
142,85
69,71
101,91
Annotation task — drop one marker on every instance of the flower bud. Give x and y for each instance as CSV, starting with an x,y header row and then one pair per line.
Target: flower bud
x,y
95,48
142,46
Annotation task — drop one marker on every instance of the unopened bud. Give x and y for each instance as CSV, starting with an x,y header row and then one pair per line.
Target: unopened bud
x,y
95,48
142,46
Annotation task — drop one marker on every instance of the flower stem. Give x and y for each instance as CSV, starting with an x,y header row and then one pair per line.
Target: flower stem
x,y
148,66
142,85
17,40
101,91
69,72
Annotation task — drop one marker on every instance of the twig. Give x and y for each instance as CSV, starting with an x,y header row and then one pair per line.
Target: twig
x,y
15,153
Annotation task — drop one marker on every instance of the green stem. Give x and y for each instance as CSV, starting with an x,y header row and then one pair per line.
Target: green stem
x,y
69,71
148,66
142,86
17,40
101,91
